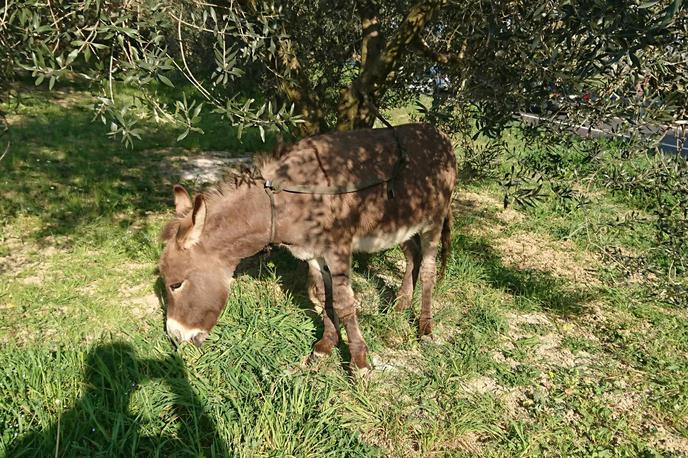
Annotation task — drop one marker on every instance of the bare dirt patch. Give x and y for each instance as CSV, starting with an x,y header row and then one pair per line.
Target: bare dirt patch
x,y
207,168
19,256
468,199
494,217
669,442
482,385
388,360
519,321
537,318
499,357
34,280
550,352
144,306
469,442
623,403
512,399
140,300
525,251
536,252
577,329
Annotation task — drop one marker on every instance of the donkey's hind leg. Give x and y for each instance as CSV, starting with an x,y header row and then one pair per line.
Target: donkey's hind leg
x,y
411,249
318,282
429,242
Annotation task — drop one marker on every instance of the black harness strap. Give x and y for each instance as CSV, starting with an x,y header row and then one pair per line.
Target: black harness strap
x,y
327,190
270,191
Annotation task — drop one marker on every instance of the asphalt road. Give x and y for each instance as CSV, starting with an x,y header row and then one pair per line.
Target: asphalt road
x,y
667,143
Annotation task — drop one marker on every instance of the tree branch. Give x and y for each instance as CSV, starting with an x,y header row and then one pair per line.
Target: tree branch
x,y
7,148
439,57
295,85
353,110
372,42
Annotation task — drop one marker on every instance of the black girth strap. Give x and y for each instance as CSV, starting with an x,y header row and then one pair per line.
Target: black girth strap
x,y
273,210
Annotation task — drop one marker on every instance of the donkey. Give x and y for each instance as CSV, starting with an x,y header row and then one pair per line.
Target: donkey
x,y
322,199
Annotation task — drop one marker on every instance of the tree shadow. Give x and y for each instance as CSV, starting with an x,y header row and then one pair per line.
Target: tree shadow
x,y
100,423
550,293
536,286
64,169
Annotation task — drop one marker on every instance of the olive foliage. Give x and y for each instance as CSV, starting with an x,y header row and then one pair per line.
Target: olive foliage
x,y
336,60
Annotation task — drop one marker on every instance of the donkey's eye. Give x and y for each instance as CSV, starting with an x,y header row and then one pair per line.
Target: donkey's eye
x,y
175,286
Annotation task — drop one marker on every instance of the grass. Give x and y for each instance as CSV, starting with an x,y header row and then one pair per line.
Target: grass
x,y
540,349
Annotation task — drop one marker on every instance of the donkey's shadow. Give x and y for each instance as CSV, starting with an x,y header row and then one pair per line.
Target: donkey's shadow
x,y
294,277
100,423
293,274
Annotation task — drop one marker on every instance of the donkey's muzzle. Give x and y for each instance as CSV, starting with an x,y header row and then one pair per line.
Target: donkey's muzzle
x,y
180,333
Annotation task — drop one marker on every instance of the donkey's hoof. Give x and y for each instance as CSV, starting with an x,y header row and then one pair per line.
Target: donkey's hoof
x,y
402,303
323,347
425,329
427,339
361,373
359,356
315,354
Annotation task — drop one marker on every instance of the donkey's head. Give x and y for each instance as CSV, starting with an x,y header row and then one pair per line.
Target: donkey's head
x,y
196,279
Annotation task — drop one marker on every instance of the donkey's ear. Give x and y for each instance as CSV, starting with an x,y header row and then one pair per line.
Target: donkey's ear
x,y
182,200
193,236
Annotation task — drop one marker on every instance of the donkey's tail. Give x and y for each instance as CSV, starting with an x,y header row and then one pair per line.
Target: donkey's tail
x,y
446,245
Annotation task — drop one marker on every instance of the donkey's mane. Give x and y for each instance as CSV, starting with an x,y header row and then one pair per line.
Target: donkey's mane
x,y
243,175
247,174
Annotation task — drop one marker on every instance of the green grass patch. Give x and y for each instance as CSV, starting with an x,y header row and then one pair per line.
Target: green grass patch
x,y
529,357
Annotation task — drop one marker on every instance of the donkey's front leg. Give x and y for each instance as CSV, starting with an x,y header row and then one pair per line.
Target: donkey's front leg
x,y
317,291
344,305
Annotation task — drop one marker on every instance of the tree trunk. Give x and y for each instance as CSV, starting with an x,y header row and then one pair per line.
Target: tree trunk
x,y
378,61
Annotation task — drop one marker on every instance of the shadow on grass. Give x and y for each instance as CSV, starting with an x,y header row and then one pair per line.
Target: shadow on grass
x,y
293,275
537,287
531,288
64,169
373,267
100,423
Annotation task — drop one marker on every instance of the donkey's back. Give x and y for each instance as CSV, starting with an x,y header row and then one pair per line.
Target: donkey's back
x,y
374,188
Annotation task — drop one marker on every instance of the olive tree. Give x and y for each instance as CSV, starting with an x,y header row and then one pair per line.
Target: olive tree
x,y
336,60
319,65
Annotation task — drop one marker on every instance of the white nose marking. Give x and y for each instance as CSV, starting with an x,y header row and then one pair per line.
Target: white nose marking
x,y
181,333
